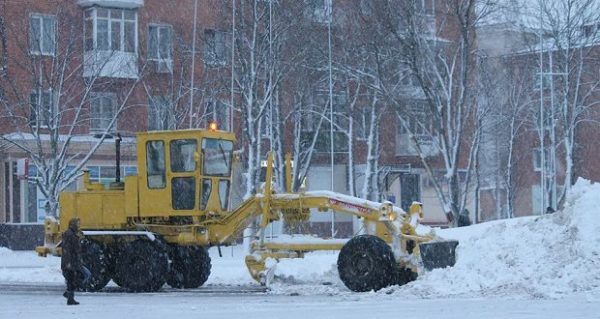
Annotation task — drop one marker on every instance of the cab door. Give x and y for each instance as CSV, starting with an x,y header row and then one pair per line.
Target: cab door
x,y
183,172
153,187
168,177
216,174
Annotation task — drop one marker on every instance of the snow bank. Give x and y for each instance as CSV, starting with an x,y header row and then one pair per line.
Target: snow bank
x,y
540,257
26,266
535,257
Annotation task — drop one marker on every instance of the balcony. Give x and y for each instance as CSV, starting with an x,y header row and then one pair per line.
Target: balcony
x,y
114,64
123,4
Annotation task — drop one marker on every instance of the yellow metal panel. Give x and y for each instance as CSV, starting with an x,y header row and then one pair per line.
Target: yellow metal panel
x,y
97,210
113,210
89,210
131,196
67,204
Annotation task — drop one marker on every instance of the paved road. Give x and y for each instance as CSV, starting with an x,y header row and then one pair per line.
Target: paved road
x,y
54,288
224,302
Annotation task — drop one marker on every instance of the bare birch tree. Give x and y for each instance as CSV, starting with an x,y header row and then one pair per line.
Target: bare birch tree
x,y
570,85
47,122
437,45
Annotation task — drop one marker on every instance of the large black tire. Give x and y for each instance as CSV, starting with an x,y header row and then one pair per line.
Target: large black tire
x,y
367,263
95,260
141,266
190,267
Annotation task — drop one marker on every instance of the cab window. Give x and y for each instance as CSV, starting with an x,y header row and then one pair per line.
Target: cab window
x,y
217,157
183,193
182,155
155,164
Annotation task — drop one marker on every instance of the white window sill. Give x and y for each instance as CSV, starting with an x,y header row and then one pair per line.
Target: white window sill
x,y
48,54
124,4
162,65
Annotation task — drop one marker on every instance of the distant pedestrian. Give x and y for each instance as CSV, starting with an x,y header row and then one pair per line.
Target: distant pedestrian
x,y
464,219
72,267
550,210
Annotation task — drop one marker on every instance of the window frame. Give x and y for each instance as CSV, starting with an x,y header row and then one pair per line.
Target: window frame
x,y
41,49
164,168
122,34
162,112
159,26
214,59
204,165
317,13
537,158
33,117
94,97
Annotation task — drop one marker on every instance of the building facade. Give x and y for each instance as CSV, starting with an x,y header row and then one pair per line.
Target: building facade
x,y
76,73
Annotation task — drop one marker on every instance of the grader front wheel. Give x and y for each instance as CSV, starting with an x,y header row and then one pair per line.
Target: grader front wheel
x,y
366,263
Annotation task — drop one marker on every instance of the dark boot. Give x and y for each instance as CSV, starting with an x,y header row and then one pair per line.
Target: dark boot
x,y
66,294
71,299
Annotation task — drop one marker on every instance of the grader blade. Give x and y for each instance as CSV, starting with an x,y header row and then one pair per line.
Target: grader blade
x,y
439,254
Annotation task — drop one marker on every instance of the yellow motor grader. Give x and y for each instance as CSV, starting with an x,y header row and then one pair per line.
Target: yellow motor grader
x,y
156,227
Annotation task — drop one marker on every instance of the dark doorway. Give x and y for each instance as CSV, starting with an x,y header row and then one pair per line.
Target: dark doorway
x,y
410,190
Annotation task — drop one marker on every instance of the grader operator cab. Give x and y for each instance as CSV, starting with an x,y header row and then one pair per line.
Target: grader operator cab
x,y
156,227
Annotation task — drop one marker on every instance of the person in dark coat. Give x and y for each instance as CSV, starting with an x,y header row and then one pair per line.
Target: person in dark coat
x,y
71,264
464,219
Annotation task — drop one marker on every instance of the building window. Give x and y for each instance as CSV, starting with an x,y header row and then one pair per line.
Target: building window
x,y
110,30
363,123
160,47
102,113
537,159
319,10
215,47
42,34
425,7
160,114
547,81
107,174
419,126
43,108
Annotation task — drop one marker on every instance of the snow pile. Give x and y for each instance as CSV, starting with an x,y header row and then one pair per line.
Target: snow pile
x,y
315,268
26,266
535,257
540,257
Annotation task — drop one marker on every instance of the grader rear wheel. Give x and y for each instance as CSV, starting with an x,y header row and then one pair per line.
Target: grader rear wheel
x,y
95,260
190,267
367,263
141,266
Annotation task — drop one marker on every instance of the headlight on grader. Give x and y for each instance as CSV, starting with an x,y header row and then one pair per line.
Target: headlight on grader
x,y
387,212
392,216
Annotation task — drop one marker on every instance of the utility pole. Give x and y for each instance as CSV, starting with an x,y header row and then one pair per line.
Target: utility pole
x,y
329,5
191,115
542,124
232,66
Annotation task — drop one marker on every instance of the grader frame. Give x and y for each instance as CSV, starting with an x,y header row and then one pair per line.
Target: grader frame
x,y
176,207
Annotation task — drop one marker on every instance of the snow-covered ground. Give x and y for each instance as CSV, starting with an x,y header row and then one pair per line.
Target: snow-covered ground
x,y
531,267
